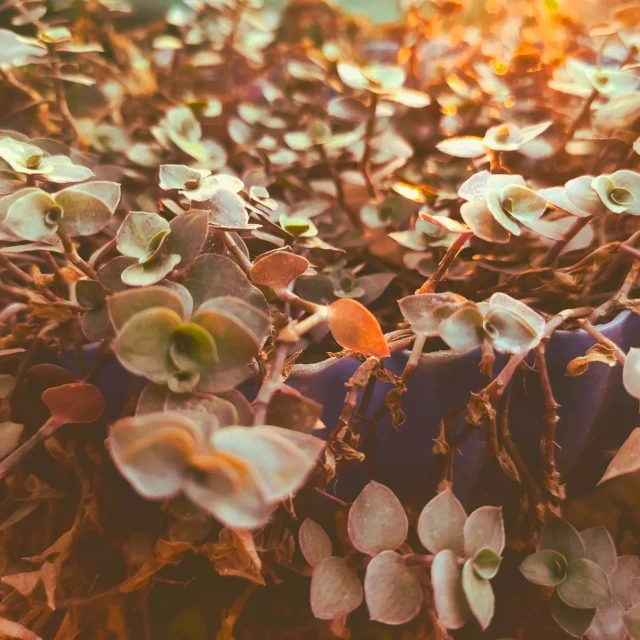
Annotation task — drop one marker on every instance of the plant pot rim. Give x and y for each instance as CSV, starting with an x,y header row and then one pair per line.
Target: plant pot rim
x,y
308,370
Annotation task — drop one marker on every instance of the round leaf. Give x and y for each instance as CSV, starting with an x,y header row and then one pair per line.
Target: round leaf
x,y
479,595
335,589
377,521
484,528
143,343
586,586
136,232
314,542
392,589
211,276
188,234
558,535
448,595
600,548
354,327
486,563
126,304
547,568
77,402
441,524
575,622
278,269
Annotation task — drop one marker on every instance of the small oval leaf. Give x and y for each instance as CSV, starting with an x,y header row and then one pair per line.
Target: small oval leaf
x,y
392,589
547,568
484,528
314,542
575,622
448,595
355,327
586,586
479,595
335,589
377,521
78,403
441,524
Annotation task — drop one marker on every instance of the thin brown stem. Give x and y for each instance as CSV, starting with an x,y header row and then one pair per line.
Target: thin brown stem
x,y
430,285
73,257
353,216
58,86
529,484
270,384
45,431
241,258
366,156
584,110
632,251
620,296
548,443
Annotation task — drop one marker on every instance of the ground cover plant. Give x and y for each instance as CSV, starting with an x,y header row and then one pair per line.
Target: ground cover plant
x,y
198,204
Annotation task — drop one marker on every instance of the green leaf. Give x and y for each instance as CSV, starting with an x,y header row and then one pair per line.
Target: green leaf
x,y
175,176
448,595
137,231
144,341
192,348
479,595
336,589
586,585
227,209
27,216
315,544
575,622
600,548
632,622
631,373
558,535
83,213
235,342
188,234
89,293
254,319
108,192
377,521
392,589
441,524
211,276
124,305
486,563
547,568
96,324
149,273
484,528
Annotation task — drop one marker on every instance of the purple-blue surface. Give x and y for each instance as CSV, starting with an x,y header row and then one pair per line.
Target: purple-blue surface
x,y
593,409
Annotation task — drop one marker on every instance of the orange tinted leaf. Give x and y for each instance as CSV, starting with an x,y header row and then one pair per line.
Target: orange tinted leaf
x,y
355,327
77,402
278,269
